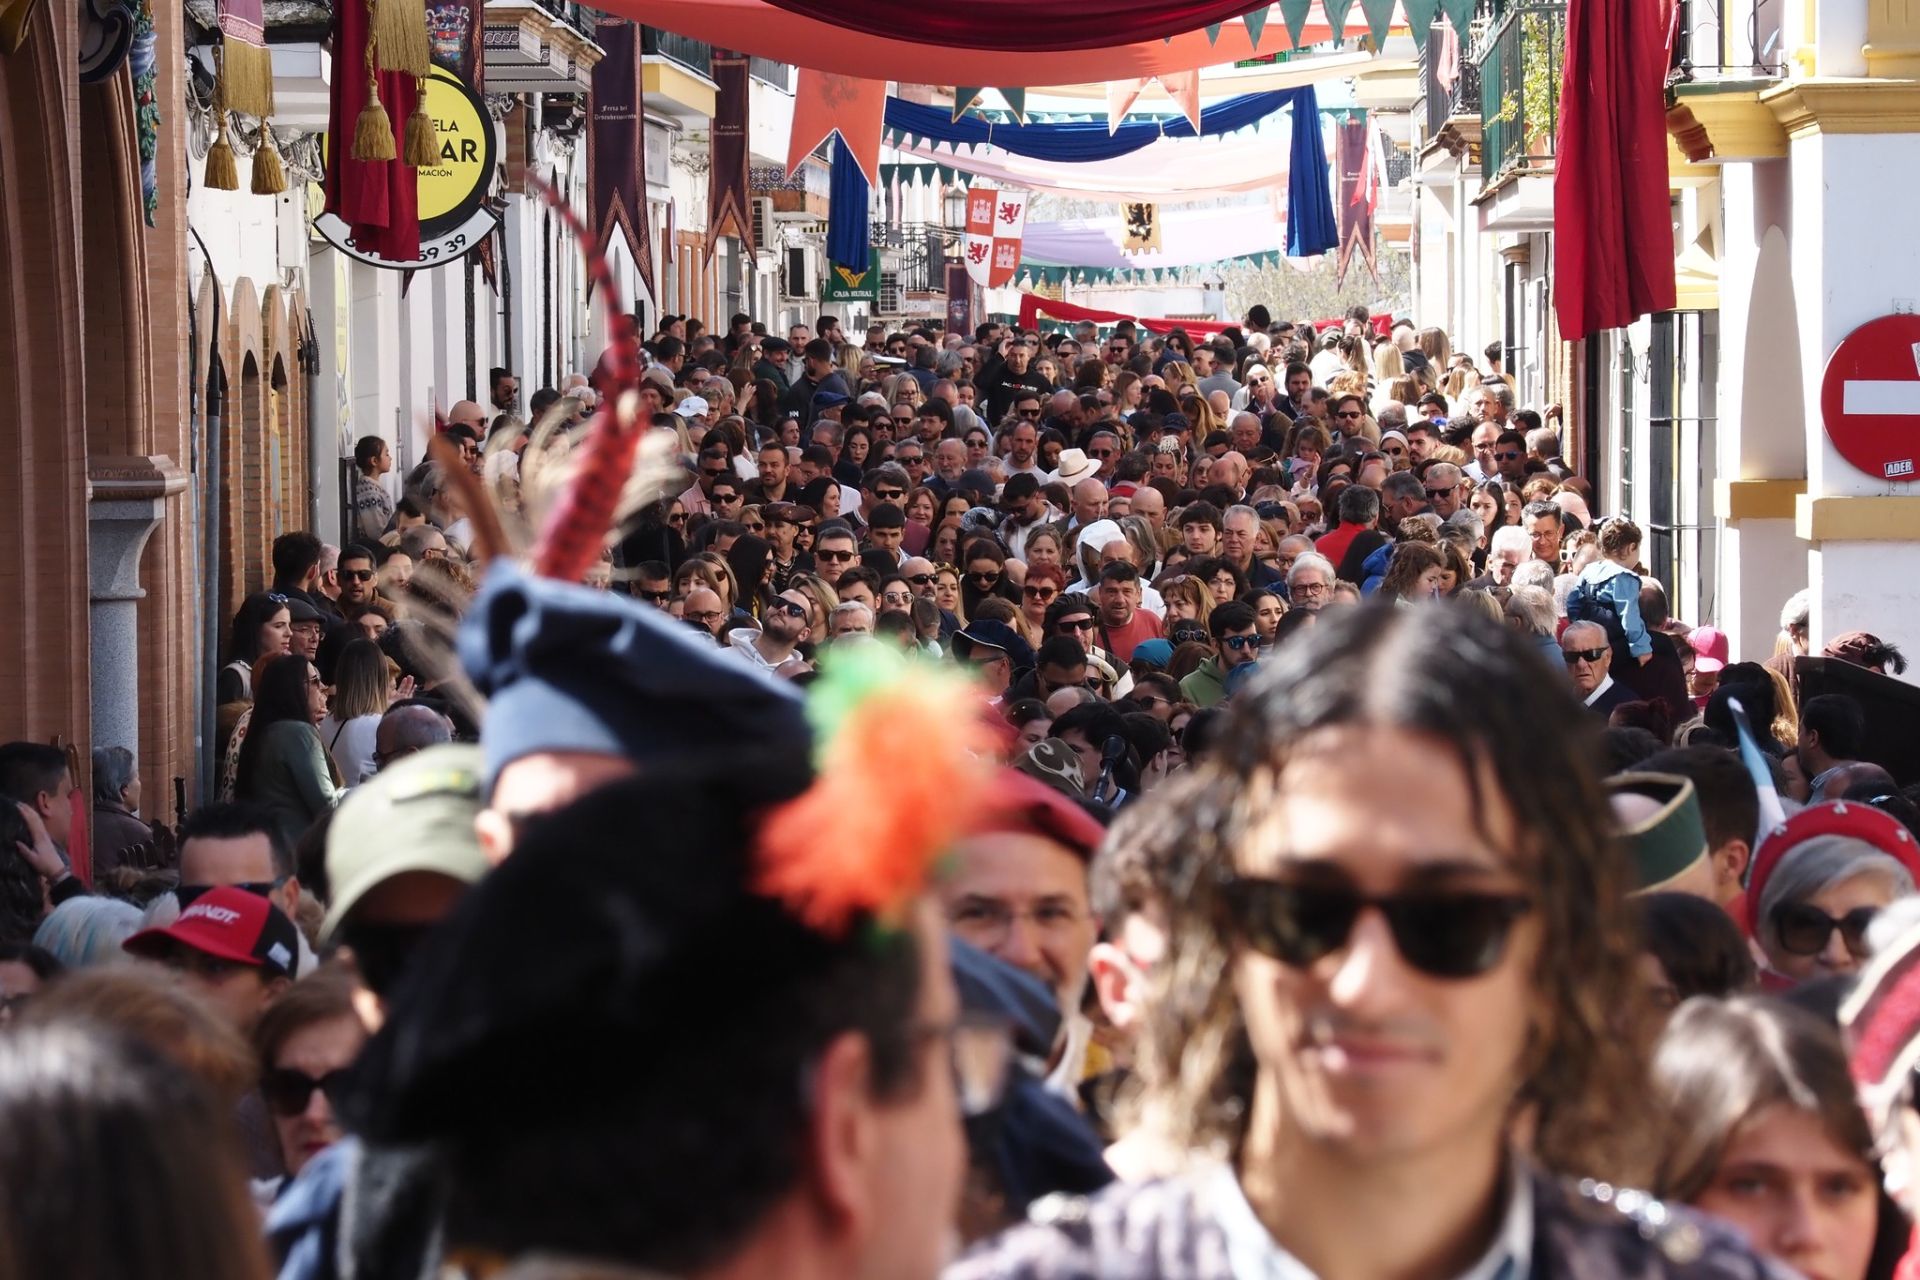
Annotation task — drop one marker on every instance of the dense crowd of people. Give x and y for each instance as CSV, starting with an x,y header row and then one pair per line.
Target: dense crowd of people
x,y
1002,805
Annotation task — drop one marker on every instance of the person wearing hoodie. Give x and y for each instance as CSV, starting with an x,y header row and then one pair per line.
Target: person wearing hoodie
x,y
783,629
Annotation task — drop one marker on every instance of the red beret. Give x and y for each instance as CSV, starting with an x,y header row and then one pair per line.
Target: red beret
x,y
1021,805
1834,818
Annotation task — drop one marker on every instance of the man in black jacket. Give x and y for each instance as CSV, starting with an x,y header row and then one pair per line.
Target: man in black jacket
x,y
1009,373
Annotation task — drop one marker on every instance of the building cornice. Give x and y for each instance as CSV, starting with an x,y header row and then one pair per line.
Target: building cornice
x,y
1844,105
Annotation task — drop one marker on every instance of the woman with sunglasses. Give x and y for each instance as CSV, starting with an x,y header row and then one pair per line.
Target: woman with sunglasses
x,y
283,764
1365,984
1041,588
306,1041
1765,1131
1818,881
985,565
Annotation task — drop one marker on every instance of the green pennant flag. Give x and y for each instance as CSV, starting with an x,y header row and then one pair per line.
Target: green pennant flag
x,y
1460,14
1213,32
1336,11
1016,103
1379,17
1294,14
1256,20
965,98
1420,16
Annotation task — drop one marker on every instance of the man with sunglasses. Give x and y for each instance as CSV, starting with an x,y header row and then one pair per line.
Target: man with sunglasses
x,y
1235,633
784,627
1510,457
232,946
1009,376
1379,979
834,552
1443,483
1588,656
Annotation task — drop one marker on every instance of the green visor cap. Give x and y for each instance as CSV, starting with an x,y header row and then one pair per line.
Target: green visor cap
x,y
415,815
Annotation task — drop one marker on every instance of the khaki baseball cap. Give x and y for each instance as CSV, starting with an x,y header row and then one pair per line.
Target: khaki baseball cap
x,y
416,815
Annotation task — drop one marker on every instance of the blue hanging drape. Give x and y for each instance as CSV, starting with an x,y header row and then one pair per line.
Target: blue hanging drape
x,y
848,203
1311,230
1082,140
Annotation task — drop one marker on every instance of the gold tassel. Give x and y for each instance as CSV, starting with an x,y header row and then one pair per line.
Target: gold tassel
x,y
223,174
400,26
246,77
269,179
373,131
423,150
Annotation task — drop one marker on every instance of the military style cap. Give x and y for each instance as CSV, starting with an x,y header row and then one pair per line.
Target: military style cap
x,y
1667,840
416,815
569,668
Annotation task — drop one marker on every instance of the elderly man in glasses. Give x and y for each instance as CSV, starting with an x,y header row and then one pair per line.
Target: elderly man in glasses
x,y
1588,656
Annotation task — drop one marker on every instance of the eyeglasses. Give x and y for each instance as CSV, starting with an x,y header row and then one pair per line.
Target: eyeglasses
x,y
357,575
1102,454
1258,382
897,597
654,597
1443,935
1805,929
1350,413
833,557
909,459
678,517
1509,455
755,526
1076,624
1042,594
921,579
889,495
1029,414
781,605
1575,656
903,419
1150,700
706,617
287,1092
1437,494
986,923
724,499
1309,588
983,579
1239,644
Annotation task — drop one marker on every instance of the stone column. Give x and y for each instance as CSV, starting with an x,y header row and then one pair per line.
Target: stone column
x,y
128,501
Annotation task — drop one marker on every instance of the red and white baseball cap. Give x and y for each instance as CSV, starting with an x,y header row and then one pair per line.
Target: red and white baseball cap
x,y
231,924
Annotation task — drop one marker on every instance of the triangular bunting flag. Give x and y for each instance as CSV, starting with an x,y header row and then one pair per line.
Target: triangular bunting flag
x,y
1460,14
1294,14
1420,16
1121,95
1016,103
1379,17
1184,89
1336,11
965,98
1256,20
825,104
1213,32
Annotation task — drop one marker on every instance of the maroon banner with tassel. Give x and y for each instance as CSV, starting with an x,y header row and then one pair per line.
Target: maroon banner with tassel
x,y
727,189
377,196
1354,196
616,148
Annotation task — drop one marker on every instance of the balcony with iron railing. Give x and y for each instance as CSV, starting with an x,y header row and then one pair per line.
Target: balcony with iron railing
x,y
1449,87
922,249
694,55
1726,53
1520,57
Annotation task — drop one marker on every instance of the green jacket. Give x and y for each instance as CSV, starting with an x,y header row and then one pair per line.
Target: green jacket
x,y
1206,685
291,776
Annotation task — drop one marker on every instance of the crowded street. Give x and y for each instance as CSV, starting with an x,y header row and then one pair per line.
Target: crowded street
x,y
1358,730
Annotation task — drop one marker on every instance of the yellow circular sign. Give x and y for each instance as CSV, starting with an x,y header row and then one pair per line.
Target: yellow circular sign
x,y
464,135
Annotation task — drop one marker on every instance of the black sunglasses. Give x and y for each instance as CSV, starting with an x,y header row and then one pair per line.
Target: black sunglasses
x,y
921,579
654,597
1437,494
889,495
1804,929
187,893
357,575
789,607
1442,934
986,579
1583,655
1508,455
836,557
287,1091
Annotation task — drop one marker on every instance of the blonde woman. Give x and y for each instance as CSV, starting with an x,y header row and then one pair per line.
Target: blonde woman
x,y
902,388
361,690
1434,346
1188,599
1178,375
1200,415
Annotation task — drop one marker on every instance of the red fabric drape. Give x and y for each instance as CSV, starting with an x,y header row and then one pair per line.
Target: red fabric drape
x,y
1612,228
1032,306
1019,26
380,200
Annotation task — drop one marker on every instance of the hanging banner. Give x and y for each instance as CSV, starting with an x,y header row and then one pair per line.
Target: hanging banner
x,y
727,178
847,285
827,104
959,299
1358,194
1140,228
995,222
454,29
616,147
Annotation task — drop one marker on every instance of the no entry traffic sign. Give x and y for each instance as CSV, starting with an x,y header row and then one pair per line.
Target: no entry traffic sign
x,y
1870,397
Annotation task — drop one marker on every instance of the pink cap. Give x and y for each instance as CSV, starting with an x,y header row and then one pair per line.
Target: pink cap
x,y
1709,648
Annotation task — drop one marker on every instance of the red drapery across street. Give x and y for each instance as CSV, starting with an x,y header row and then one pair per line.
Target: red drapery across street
x,y
1017,26
1612,227
1033,306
